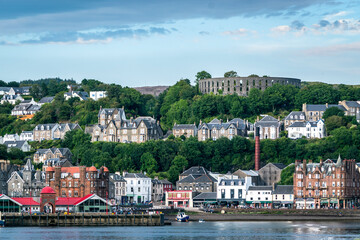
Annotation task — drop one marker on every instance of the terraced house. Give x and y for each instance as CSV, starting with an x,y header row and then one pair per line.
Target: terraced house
x,y
41,155
114,127
53,131
217,129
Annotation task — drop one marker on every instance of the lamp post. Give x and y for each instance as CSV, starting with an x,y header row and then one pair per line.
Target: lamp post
x,y
106,203
30,201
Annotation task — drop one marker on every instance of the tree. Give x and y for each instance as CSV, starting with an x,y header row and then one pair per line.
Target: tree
x,y
287,175
201,75
230,74
3,152
253,75
148,163
333,111
16,154
177,166
334,122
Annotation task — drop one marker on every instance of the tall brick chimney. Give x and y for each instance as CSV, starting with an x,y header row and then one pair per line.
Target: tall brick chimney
x,y
257,148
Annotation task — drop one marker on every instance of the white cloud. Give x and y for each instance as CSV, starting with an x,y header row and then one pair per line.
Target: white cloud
x,y
333,16
239,32
335,49
281,29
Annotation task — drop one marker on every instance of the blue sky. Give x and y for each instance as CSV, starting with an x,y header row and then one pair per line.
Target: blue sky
x,y
158,42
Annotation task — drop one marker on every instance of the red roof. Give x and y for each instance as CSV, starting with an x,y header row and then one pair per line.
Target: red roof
x,y
62,201
50,169
26,201
48,190
106,169
83,199
92,169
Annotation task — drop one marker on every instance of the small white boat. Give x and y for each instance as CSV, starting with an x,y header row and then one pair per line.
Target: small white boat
x,y
201,220
182,217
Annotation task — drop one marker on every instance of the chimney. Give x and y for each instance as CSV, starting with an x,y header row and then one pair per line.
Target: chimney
x,y
124,173
257,118
257,149
279,118
220,121
200,122
310,161
122,108
327,105
321,163
304,107
304,165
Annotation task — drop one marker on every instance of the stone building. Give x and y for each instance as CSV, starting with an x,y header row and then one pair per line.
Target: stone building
x,y
6,169
327,184
186,130
314,112
270,127
26,182
41,155
217,129
53,131
242,85
78,181
352,108
254,175
293,117
196,179
114,127
22,145
271,173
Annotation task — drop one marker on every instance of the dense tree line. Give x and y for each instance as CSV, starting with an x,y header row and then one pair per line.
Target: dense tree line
x,y
182,103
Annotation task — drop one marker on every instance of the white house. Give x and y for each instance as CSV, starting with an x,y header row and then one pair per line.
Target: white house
x,y
22,145
83,96
294,116
27,136
259,196
283,196
12,99
233,190
11,137
138,187
96,95
307,129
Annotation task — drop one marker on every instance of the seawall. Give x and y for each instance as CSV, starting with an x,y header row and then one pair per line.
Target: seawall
x,y
86,219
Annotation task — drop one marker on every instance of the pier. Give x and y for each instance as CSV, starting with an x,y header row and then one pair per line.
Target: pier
x,y
82,219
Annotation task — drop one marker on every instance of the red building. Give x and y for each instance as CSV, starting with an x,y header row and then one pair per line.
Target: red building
x,y
78,181
179,199
327,184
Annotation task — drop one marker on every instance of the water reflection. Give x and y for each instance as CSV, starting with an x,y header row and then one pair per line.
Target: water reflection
x,y
195,230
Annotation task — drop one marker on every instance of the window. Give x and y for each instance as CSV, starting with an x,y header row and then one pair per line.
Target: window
x,y
69,184
139,189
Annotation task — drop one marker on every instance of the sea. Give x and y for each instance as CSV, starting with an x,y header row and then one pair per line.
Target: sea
x,y
195,230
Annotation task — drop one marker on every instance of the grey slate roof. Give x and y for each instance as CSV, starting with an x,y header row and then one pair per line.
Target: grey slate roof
x,y
295,115
354,104
268,121
194,171
322,107
260,188
135,175
46,100
298,124
184,126
284,189
14,144
279,165
206,196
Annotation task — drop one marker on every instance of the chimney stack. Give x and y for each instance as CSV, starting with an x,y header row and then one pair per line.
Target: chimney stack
x,y
257,149
327,105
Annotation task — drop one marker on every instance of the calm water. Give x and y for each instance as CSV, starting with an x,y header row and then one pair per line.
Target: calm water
x,y
195,230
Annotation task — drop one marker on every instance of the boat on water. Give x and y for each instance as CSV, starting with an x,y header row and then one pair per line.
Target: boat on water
x,y
201,220
182,217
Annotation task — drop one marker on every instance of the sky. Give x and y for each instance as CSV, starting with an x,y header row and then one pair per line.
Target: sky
x,y
158,42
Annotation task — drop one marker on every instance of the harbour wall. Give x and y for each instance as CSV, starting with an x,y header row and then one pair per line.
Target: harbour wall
x,y
22,220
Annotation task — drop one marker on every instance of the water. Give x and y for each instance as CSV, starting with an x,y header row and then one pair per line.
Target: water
x,y
195,230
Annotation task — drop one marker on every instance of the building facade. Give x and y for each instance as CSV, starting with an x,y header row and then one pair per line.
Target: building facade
x,y
242,85
326,184
271,173
117,188
12,99
78,181
41,155
114,127
233,190
96,95
22,145
307,129
270,127
138,187
283,196
186,130
314,112
6,169
217,129
259,196
196,179
293,117
53,131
